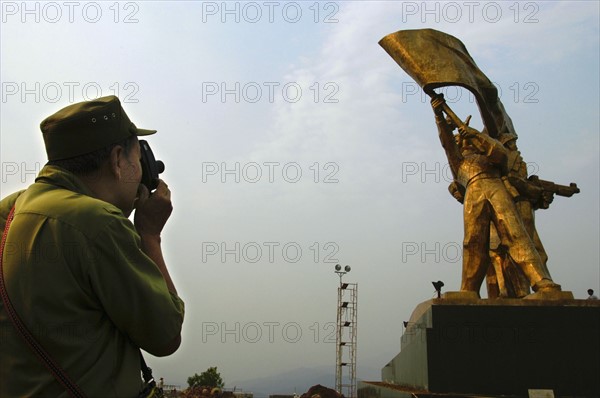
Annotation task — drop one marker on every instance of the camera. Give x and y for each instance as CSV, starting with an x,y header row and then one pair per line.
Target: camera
x,y
151,167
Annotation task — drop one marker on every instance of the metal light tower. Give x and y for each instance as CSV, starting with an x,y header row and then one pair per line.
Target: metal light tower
x,y
345,342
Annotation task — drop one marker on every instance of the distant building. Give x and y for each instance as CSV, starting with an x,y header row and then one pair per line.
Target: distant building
x,y
243,394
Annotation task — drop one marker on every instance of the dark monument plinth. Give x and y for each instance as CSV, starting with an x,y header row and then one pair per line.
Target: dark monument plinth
x,y
500,347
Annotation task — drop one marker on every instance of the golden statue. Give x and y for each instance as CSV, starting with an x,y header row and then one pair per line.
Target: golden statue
x,y
490,176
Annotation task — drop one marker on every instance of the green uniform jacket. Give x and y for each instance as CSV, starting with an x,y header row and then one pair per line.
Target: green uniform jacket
x,y
77,276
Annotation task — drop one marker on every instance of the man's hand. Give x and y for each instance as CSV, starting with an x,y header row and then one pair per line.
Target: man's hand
x,y
151,215
153,211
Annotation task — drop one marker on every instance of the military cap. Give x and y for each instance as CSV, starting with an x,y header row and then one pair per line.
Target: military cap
x,y
87,126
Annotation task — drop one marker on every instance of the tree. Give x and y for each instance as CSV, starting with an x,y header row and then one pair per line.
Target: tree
x,y
209,378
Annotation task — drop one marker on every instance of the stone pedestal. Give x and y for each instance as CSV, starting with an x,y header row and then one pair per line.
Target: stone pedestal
x,y
465,345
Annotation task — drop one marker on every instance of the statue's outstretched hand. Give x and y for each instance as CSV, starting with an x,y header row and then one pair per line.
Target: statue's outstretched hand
x,y
437,103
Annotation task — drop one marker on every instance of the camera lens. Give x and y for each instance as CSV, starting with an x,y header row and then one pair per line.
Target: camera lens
x,y
160,166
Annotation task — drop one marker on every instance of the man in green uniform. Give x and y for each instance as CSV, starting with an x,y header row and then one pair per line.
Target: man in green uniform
x,y
90,285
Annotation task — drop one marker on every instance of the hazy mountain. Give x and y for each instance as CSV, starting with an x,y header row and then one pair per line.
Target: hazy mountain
x,y
296,380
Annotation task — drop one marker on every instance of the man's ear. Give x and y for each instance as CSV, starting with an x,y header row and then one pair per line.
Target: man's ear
x,y
117,156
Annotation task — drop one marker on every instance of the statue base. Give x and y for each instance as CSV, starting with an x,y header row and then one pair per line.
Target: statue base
x,y
465,295
550,295
464,345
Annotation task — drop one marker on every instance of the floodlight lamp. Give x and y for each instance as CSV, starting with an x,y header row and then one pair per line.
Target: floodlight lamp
x,y
347,268
338,267
438,287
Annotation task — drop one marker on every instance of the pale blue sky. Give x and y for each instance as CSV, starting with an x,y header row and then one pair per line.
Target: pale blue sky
x,y
359,122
